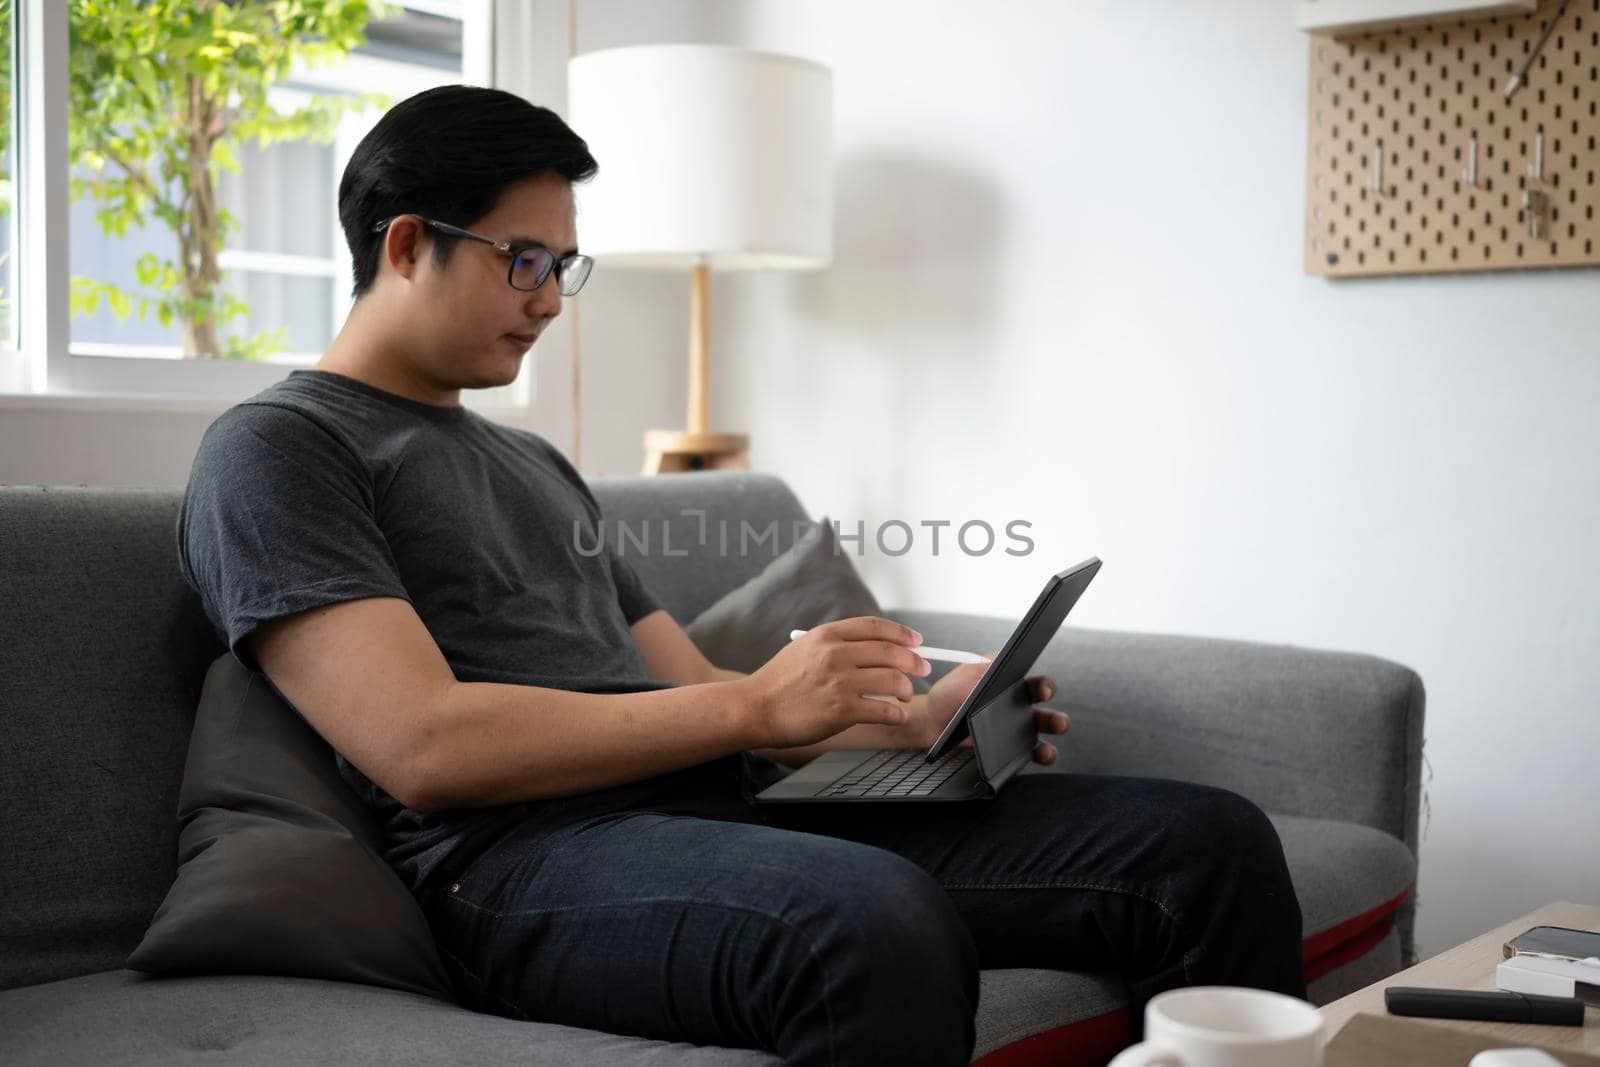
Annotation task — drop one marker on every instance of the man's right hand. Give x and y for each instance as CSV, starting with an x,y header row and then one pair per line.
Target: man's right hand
x,y
813,688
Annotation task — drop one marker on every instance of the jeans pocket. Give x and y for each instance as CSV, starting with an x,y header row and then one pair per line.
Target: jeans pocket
x,y
463,878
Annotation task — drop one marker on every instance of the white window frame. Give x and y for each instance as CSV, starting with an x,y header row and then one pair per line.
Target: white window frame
x,y
46,363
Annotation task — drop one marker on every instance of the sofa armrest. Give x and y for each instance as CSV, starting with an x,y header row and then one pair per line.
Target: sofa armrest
x,y
1329,735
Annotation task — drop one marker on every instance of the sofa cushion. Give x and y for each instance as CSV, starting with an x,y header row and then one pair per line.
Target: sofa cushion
x,y
127,1018
1024,1017
1063,1018
280,866
1350,880
699,534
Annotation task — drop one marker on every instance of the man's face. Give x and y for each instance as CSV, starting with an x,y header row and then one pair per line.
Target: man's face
x,y
472,327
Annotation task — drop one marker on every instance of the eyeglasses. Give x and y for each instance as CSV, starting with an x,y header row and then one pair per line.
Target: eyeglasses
x,y
530,264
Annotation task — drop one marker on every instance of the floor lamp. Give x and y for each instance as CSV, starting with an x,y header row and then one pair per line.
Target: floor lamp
x,y
712,158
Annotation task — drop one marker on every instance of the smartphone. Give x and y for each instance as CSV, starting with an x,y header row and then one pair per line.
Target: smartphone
x,y
1555,941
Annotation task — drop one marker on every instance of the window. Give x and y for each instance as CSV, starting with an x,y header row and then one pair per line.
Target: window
x,y
276,241
8,168
99,206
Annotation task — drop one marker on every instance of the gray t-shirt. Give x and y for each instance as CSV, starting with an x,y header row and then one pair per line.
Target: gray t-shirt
x,y
322,488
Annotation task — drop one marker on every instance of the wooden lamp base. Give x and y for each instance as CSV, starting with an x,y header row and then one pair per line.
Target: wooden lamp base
x,y
669,451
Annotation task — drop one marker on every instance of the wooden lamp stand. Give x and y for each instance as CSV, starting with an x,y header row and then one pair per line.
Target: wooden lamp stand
x,y
667,451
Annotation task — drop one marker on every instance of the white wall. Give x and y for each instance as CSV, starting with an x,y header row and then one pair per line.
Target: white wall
x,y
1068,288
44,445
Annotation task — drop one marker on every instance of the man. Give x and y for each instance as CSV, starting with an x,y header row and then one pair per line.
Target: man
x,y
563,778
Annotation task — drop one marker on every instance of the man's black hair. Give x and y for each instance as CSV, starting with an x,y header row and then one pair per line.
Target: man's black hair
x,y
447,154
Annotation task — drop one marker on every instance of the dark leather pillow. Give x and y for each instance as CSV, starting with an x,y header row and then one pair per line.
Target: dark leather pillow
x,y
812,583
280,865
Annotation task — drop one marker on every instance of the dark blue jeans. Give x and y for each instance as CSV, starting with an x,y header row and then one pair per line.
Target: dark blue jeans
x,y
675,909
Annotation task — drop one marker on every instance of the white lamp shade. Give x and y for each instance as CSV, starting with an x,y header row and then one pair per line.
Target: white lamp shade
x,y
708,154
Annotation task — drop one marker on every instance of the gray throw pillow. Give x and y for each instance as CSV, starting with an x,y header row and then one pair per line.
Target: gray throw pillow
x,y
280,865
812,583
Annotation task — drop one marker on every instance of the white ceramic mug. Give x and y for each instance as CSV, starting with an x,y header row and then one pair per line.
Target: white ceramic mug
x,y
1226,1026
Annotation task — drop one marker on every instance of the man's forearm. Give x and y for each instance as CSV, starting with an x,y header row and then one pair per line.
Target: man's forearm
x,y
493,744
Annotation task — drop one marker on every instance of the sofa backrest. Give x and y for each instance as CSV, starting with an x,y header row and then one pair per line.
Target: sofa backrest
x,y
103,650
694,537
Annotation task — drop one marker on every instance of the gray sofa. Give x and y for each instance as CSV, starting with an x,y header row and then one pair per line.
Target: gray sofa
x,y
102,654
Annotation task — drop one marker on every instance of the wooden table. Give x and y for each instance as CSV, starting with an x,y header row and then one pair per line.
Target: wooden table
x,y
1471,966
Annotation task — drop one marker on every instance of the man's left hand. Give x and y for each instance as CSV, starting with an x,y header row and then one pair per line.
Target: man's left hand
x,y
946,695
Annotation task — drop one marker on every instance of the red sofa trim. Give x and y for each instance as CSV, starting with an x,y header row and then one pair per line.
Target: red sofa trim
x,y
1086,1043
1338,945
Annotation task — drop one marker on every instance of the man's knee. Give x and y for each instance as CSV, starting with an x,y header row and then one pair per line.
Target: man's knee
x,y
1243,909
1237,831
908,920
885,911
1238,857
892,953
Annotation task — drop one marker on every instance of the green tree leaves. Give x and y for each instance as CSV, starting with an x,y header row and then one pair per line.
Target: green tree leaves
x,y
162,93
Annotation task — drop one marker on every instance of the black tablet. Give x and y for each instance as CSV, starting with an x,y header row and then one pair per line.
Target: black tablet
x,y
1021,649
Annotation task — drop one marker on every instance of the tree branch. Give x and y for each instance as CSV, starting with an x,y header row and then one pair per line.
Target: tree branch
x,y
138,174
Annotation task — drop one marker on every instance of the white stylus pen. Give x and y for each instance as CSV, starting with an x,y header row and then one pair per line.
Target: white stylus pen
x,y
947,655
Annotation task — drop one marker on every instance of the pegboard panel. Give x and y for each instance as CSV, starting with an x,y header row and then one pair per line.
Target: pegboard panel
x,y
1392,120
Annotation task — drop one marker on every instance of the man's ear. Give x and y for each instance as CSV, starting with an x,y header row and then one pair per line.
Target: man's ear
x,y
403,245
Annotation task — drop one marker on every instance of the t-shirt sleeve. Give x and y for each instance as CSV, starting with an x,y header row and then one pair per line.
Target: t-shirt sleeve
x,y
278,517
635,598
